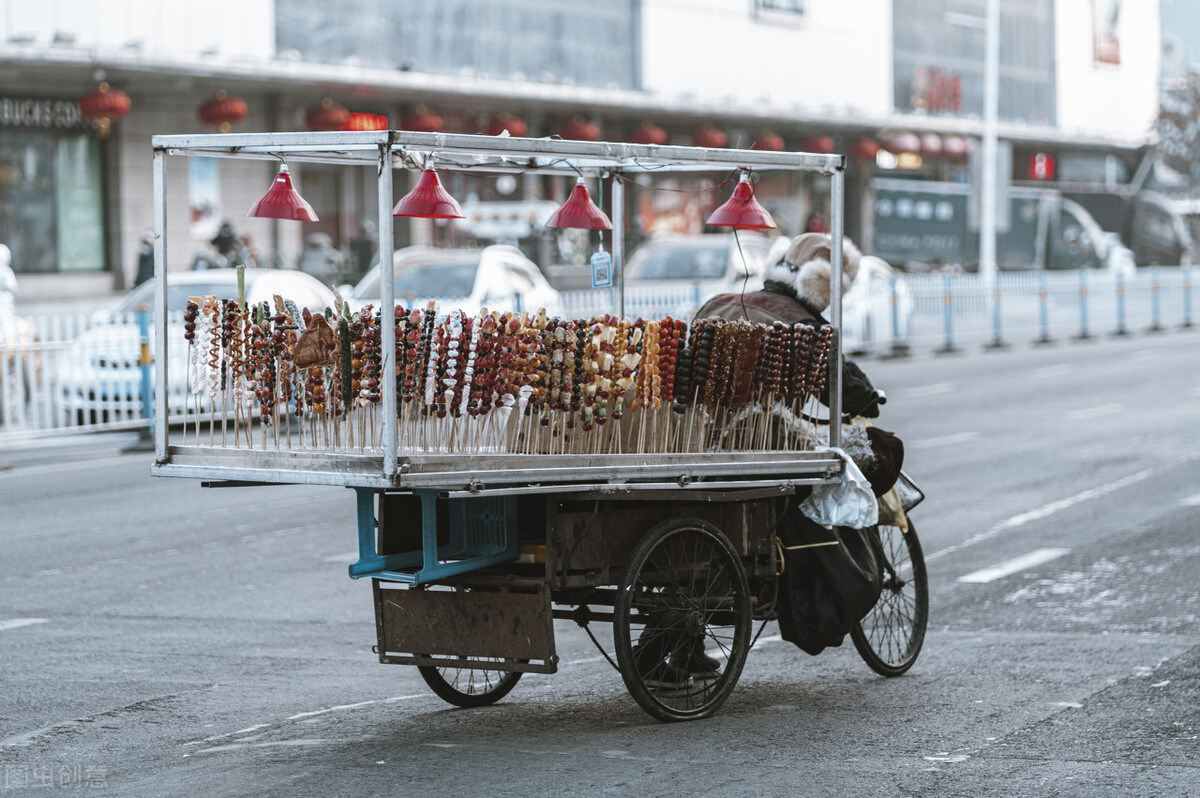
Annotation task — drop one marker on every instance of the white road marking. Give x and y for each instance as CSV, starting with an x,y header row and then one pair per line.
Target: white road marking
x,y
1061,370
1016,564
298,716
72,466
17,623
944,440
1162,683
1191,501
1067,704
1099,411
1041,512
922,391
343,558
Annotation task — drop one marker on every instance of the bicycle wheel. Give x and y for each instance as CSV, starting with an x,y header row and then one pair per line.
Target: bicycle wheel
x,y
889,637
469,687
686,589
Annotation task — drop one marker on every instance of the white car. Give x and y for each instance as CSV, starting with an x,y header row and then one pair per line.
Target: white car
x,y
867,318
498,278
708,264
99,377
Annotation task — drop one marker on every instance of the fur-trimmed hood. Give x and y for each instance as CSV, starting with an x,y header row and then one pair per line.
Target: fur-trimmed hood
x,y
806,268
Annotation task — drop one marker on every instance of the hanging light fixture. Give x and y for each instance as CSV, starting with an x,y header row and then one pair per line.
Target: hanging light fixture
x,y
579,212
422,120
223,111
283,201
742,210
327,115
104,106
769,141
648,133
505,121
428,200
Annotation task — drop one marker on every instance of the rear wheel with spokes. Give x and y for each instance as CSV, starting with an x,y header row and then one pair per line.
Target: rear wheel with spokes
x,y
469,686
681,622
889,637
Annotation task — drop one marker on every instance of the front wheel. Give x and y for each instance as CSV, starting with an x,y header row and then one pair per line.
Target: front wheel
x,y
469,687
889,637
686,593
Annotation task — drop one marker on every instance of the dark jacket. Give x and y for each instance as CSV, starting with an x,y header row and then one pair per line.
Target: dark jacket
x,y
778,302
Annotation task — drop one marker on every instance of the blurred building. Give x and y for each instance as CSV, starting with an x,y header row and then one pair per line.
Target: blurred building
x,y
897,86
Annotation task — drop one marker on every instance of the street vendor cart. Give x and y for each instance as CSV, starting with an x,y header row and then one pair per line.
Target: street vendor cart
x,y
512,468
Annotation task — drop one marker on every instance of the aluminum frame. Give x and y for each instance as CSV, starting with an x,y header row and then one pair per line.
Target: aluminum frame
x,y
392,149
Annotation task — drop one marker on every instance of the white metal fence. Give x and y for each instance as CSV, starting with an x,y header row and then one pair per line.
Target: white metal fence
x,y
80,373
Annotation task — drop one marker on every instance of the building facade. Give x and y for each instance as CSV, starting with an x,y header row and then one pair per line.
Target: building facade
x,y
897,86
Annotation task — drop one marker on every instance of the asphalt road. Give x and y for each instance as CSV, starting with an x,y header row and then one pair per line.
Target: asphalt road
x,y
157,638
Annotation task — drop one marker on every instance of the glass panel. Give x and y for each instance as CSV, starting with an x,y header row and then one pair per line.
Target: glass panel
x,y
80,206
28,217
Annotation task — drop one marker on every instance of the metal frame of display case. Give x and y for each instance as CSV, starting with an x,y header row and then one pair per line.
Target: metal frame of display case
x,y
473,475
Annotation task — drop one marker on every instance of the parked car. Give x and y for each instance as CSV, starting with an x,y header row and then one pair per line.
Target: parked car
x,y
867,307
99,378
498,277
708,264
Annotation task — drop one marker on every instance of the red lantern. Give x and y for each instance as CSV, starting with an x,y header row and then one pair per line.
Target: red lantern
x,y
769,141
104,106
897,143
864,149
822,145
422,120
504,121
223,111
931,145
359,122
709,136
579,129
648,133
326,116
955,146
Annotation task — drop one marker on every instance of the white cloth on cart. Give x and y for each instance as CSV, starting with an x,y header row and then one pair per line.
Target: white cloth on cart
x,y
847,502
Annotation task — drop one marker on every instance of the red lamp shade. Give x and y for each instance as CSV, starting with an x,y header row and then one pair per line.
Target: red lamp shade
x,y
223,111
328,115
359,122
742,209
769,141
422,120
822,145
428,200
503,121
579,129
104,106
579,212
282,201
709,136
864,149
648,133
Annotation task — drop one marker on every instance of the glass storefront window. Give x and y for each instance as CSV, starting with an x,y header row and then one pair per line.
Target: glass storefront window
x,y
51,201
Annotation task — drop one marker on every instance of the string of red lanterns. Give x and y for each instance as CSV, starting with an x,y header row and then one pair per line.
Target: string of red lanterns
x,y
648,133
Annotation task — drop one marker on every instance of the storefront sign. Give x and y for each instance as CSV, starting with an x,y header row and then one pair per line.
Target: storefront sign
x,y
24,112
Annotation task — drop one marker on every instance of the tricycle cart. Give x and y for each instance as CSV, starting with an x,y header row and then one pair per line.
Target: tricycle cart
x,y
478,532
